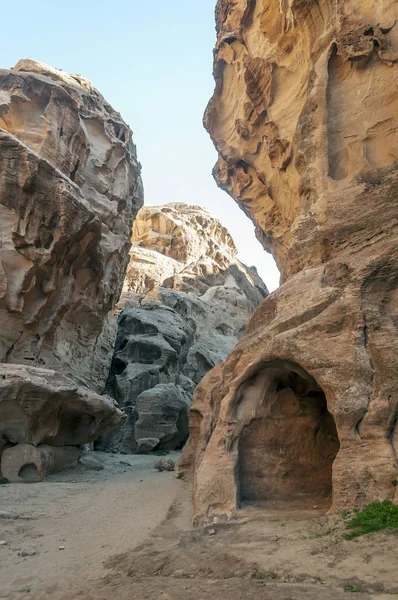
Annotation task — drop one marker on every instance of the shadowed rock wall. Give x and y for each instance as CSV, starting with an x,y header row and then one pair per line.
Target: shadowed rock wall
x,y
186,301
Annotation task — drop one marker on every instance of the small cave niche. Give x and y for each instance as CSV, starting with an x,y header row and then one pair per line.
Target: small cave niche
x,y
135,326
287,448
204,364
29,473
119,366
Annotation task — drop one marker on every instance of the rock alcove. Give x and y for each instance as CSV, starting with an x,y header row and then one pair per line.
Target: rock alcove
x,y
289,440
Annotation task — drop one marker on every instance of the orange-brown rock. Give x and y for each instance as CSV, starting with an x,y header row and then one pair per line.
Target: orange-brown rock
x,y
70,187
305,120
41,406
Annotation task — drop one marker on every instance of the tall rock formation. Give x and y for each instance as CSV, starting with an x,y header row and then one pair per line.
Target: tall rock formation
x,y
70,187
305,120
186,301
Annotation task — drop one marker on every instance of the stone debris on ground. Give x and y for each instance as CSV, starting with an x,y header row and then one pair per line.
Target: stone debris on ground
x,y
165,464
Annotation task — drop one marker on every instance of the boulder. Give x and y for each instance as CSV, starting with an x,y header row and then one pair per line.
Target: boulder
x,y
39,406
70,187
165,464
304,118
25,463
146,445
90,462
162,413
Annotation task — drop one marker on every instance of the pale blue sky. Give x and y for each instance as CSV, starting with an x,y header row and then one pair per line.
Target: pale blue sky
x,y
153,62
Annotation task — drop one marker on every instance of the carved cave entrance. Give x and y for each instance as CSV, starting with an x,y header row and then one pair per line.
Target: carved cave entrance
x,y
287,450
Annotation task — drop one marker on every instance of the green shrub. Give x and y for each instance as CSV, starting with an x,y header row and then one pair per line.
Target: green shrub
x,y
375,517
351,588
271,575
265,575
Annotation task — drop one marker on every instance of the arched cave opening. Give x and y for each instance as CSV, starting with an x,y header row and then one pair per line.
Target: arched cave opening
x,y
29,473
287,450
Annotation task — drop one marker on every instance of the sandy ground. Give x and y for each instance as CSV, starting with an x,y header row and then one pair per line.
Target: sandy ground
x,y
127,536
93,514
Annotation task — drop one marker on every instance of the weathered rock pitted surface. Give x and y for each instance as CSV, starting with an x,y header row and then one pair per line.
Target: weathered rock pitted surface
x,y
184,232
40,406
40,409
191,250
25,463
304,117
70,187
187,300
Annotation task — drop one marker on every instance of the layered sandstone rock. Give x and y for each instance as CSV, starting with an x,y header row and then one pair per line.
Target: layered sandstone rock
x,y
45,419
304,117
25,463
186,301
70,187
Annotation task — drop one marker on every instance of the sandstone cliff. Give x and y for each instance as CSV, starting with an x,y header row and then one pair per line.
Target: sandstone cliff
x,y
70,187
304,117
186,301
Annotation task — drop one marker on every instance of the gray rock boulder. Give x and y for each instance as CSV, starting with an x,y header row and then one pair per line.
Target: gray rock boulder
x,y
186,302
162,414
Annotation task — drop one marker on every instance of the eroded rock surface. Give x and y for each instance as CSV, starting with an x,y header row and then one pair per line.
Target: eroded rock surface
x,y
25,463
70,187
186,301
41,409
304,117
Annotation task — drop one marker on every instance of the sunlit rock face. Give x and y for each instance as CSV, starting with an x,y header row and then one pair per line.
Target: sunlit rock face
x,y
186,301
304,117
70,187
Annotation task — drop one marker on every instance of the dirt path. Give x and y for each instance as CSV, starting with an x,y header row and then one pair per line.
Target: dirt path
x,y
126,532
93,514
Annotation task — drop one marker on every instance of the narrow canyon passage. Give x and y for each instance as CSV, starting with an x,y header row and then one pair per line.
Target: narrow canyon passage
x,y
287,451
